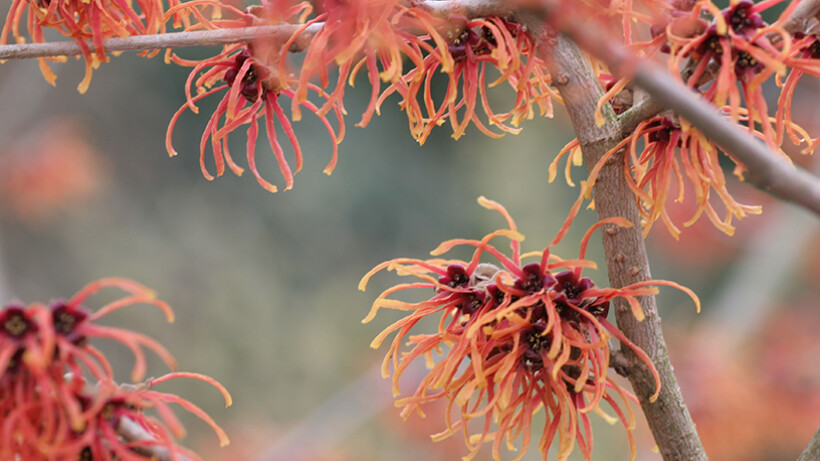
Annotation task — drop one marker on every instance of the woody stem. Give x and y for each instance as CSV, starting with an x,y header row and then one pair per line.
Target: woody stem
x,y
626,257
812,451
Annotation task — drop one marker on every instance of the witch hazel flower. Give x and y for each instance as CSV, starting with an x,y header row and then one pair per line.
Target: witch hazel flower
x,y
58,398
663,159
248,75
362,36
84,21
803,60
731,58
473,48
512,338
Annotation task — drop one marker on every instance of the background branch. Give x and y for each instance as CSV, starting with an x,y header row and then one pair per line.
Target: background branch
x,y
800,20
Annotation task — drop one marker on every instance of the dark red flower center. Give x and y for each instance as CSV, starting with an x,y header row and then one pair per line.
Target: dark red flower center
x,y
66,319
570,290
814,49
746,64
251,81
536,342
712,43
86,454
742,19
664,134
14,322
470,303
534,279
472,42
456,276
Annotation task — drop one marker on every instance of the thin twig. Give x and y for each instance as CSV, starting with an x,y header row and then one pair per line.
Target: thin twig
x,y
644,110
463,8
167,40
131,431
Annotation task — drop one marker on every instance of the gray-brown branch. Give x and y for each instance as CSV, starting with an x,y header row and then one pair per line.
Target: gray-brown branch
x,y
626,258
167,40
812,451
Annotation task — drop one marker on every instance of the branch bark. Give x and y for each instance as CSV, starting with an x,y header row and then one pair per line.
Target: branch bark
x,y
800,20
468,8
166,40
812,451
627,262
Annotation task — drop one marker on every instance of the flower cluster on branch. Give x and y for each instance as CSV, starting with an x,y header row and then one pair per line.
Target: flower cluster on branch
x,y
725,56
58,397
512,339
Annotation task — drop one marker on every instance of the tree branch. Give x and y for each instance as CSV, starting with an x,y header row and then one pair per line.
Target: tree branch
x,y
131,431
765,168
812,451
465,8
167,40
627,262
800,20
632,117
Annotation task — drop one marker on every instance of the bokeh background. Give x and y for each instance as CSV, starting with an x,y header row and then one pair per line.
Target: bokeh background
x,y
264,285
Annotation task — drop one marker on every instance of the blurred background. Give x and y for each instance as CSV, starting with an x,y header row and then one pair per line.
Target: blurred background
x,y
264,285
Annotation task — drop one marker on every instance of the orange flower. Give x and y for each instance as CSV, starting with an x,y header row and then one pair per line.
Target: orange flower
x,y
254,88
805,59
47,408
471,48
84,21
672,150
52,168
512,339
360,34
736,49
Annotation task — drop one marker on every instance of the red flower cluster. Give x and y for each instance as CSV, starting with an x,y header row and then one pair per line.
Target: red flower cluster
x,y
652,171
511,340
348,38
251,75
471,49
84,21
360,34
726,61
735,55
58,398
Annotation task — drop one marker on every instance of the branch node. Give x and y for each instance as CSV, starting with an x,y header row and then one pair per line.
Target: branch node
x,y
620,363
